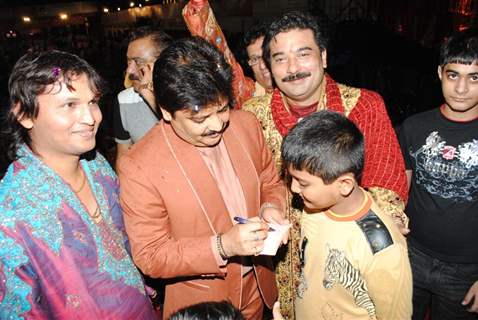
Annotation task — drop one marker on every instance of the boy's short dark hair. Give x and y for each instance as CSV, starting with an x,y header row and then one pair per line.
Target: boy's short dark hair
x,y
191,73
209,310
461,47
325,144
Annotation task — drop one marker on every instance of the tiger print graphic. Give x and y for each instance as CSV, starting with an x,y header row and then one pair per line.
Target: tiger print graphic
x,y
339,270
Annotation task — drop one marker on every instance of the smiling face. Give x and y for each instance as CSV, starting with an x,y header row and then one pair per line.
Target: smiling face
x,y
460,90
67,121
259,68
298,66
203,128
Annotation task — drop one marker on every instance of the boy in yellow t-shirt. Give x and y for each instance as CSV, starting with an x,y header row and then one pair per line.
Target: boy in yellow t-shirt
x,y
354,260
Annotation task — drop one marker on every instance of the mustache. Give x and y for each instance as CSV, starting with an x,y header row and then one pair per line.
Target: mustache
x,y
296,76
212,133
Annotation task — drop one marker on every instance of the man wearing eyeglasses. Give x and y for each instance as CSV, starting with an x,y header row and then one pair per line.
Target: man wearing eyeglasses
x,y
252,42
134,116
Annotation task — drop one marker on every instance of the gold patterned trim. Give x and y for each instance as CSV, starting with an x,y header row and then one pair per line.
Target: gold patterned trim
x,y
390,203
349,97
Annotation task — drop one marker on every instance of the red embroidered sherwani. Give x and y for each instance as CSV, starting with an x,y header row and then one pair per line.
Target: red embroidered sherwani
x,y
172,207
384,170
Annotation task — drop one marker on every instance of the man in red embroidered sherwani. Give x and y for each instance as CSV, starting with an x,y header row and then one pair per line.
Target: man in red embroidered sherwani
x,y
295,49
182,184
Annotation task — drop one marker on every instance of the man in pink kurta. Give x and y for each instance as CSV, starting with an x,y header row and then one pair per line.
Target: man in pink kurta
x,y
182,184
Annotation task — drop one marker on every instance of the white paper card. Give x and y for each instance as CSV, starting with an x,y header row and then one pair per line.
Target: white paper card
x,y
274,238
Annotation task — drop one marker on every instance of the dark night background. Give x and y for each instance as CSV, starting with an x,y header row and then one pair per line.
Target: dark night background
x,y
387,46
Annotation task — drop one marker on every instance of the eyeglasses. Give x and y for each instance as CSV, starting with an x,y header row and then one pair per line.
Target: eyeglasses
x,y
254,60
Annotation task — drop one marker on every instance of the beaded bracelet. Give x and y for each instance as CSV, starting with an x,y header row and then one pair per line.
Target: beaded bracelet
x,y
220,248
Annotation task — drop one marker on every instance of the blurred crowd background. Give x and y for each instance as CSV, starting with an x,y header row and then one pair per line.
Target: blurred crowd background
x,y
387,46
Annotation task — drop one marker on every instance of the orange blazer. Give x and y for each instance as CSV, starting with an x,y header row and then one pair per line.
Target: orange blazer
x,y
172,206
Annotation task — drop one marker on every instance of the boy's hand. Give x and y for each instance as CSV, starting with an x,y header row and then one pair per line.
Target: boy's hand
x,y
471,298
271,214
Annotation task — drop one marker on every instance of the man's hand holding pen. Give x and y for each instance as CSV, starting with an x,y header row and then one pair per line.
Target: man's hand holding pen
x,y
245,239
247,236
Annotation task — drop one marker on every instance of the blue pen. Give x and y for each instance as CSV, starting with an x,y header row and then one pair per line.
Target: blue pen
x,y
242,220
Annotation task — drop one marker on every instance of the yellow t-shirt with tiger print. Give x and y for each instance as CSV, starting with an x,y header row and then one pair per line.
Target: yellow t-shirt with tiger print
x,y
353,267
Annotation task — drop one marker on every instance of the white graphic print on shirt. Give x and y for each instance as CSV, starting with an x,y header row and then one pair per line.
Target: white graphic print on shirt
x,y
448,171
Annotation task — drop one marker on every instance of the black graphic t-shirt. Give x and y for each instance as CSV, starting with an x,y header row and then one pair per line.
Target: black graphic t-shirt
x,y
443,201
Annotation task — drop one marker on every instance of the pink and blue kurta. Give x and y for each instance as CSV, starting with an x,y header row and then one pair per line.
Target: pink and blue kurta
x,y
55,261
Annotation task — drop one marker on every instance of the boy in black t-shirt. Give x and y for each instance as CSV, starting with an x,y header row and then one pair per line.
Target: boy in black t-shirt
x,y
440,148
